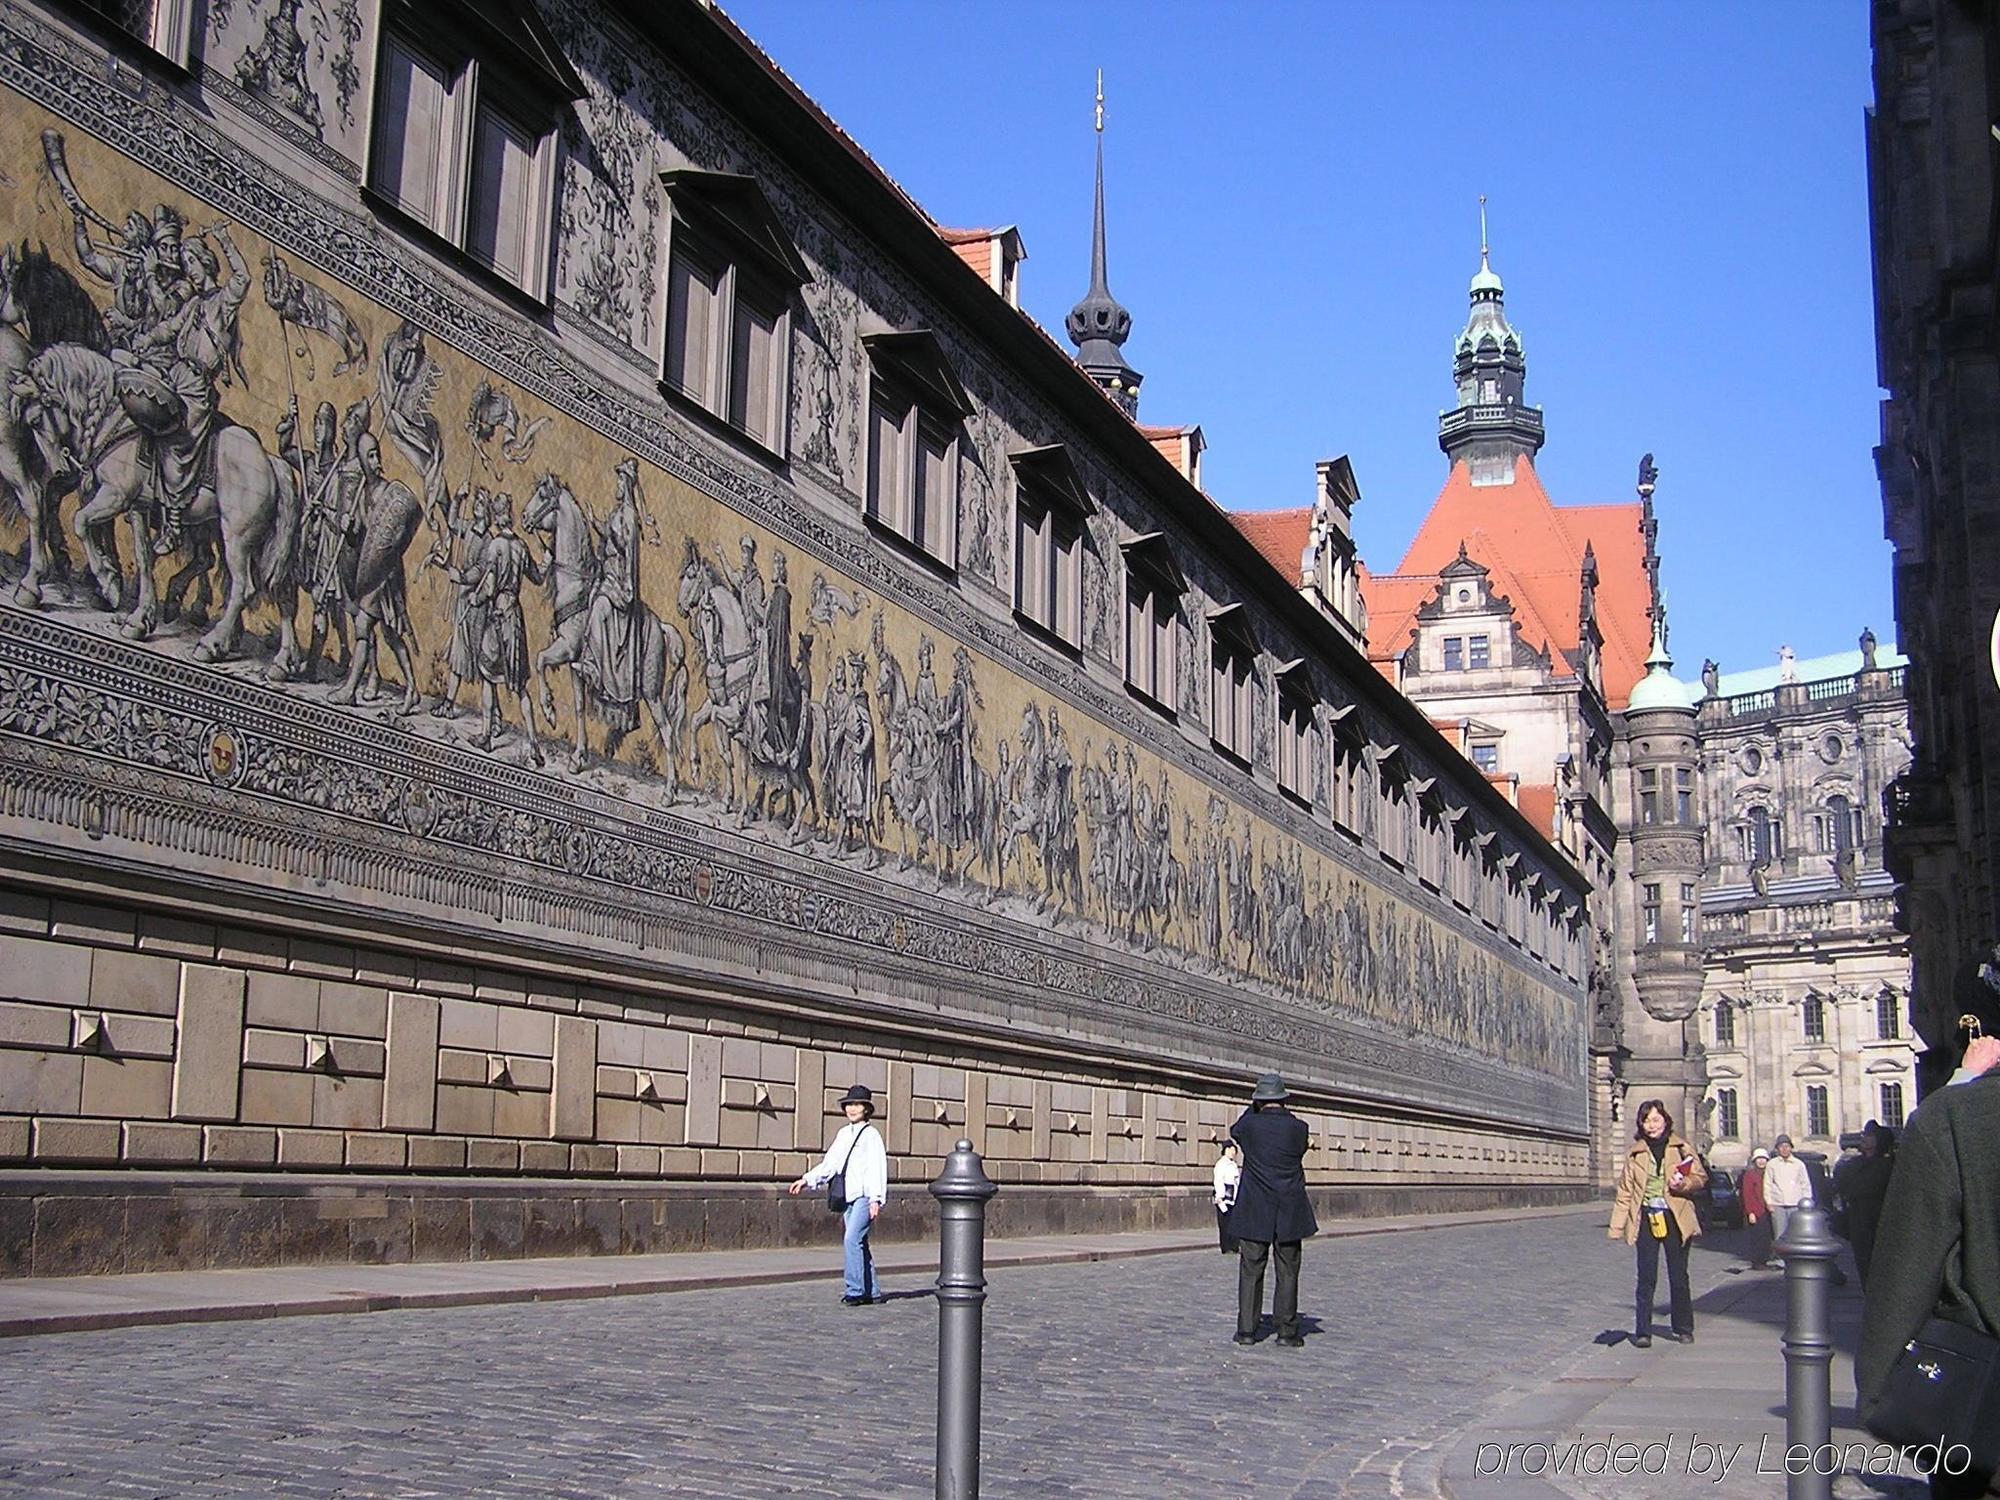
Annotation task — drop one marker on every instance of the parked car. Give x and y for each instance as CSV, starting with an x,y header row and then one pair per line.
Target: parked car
x,y
1720,1203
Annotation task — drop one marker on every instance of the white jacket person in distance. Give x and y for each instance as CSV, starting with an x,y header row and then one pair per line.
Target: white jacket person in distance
x,y
1787,1186
861,1160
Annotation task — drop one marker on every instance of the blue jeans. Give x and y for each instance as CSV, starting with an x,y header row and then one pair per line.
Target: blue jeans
x,y
859,1264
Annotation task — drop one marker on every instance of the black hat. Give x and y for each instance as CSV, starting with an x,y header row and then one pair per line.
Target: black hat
x,y
1270,1089
860,1094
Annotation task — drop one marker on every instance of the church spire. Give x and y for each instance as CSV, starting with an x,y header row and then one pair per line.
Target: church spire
x,y
1492,425
1099,324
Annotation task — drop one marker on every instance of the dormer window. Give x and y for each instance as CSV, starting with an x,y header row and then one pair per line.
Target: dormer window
x,y
465,132
915,408
1153,591
1478,653
732,276
1051,505
1232,700
1454,653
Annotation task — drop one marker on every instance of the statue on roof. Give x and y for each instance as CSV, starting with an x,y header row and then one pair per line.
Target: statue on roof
x,y
1867,649
1711,677
1788,665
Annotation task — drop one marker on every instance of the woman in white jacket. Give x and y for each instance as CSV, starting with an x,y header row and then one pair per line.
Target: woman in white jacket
x,y
858,1157
1228,1173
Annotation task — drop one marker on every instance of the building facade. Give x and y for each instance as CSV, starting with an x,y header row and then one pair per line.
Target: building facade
x,y
1806,981
1932,186
553,620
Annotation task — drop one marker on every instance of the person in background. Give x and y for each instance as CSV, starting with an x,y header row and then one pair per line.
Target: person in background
x,y
1862,1184
1937,1252
858,1156
1654,1210
1756,1215
1228,1173
1786,1186
1272,1212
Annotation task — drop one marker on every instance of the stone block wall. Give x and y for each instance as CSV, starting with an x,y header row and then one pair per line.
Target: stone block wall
x,y
175,1093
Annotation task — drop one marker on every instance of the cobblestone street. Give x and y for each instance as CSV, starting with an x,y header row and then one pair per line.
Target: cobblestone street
x,y
1107,1379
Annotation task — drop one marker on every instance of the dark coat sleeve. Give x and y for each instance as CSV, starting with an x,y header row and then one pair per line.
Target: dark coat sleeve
x,y
1919,1228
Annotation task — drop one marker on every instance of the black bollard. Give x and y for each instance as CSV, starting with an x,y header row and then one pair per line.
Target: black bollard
x,y
961,1190
1809,1249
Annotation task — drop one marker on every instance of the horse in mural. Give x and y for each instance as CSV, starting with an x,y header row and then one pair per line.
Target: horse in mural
x,y
41,305
69,398
729,648
659,677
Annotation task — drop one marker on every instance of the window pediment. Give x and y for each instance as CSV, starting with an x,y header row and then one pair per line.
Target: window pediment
x,y
734,208
510,34
1888,1065
1053,474
1812,1069
916,361
1230,626
1149,557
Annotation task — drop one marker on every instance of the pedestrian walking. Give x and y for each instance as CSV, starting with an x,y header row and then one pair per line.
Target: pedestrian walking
x,y
1272,1216
1937,1256
855,1172
1228,1174
1756,1213
1862,1184
1787,1186
1654,1210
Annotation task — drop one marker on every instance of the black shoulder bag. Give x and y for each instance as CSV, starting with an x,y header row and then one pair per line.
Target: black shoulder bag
x,y
836,1185
1944,1388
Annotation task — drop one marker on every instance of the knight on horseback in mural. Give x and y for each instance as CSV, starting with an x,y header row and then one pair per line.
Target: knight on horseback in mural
x,y
132,423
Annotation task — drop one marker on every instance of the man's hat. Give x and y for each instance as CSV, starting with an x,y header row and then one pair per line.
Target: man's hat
x,y
861,1094
1270,1089
1783,1140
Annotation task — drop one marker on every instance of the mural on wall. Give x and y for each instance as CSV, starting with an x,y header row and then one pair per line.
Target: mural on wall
x,y
233,480
301,56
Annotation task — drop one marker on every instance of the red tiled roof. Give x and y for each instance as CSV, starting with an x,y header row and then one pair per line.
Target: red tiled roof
x,y
974,247
1537,802
1534,551
1281,535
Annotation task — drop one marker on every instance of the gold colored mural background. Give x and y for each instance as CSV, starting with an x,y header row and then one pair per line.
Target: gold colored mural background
x,y
446,555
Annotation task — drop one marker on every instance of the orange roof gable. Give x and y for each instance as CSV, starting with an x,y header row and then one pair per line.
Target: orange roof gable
x,y
1537,802
1281,535
1534,551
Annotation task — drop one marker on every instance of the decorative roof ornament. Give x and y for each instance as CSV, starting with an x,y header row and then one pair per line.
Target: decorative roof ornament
x,y
1492,426
1659,688
1100,324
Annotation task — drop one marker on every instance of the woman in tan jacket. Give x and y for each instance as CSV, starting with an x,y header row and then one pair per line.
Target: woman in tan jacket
x,y
1655,1209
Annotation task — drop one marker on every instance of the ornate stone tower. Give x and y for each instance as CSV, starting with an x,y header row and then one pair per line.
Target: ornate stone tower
x,y
1492,425
1099,324
1662,822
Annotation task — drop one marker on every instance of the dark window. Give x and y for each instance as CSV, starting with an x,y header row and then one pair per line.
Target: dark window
x,y
1690,914
1725,1114
1652,914
1486,756
1888,1017
1479,653
1725,1025
1766,839
1649,796
1296,739
913,473
1454,653
1683,796
1816,1115
1813,1014
463,148
1892,1105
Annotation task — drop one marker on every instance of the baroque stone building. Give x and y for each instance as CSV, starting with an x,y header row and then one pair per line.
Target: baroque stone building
x,y
1522,629
1932,185
551,619
1806,981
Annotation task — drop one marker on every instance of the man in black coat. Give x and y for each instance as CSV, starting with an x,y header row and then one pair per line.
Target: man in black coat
x,y
1271,1210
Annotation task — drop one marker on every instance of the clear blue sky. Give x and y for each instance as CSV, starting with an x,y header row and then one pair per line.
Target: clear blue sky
x,y
1679,211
